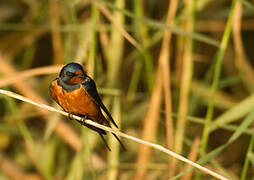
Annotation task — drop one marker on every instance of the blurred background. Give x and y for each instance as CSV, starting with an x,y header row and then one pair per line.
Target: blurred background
x,y
177,73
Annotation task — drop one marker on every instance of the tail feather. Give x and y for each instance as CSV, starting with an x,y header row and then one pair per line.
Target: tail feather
x,y
104,141
108,124
101,132
122,145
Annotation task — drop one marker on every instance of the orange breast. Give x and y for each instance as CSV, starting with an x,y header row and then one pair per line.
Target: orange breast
x,y
75,102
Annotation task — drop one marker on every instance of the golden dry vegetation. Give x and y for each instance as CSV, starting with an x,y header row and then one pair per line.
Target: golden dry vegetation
x,y
176,73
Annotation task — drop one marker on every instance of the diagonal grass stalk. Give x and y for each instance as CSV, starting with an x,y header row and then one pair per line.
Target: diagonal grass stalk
x,y
219,58
156,146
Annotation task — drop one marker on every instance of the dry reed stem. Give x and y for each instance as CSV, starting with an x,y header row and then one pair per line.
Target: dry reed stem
x,y
164,63
115,49
111,18
11,170
61,128
241,60
103,37
114,55
90,122
56,35
164,67
186,76
193,157
19,76
150,126
64,131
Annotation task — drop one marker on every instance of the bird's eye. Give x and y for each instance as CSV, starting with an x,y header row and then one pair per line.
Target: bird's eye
x,y
70,74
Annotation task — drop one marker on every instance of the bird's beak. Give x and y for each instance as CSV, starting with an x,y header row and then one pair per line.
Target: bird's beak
x,y
81,76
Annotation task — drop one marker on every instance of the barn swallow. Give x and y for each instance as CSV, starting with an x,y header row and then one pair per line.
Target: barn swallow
x,y
76,93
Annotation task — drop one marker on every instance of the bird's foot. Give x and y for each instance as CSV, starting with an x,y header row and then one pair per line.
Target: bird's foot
x,y
70,116
83,119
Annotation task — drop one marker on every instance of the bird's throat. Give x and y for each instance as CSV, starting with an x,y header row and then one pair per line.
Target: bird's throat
x,y
67,87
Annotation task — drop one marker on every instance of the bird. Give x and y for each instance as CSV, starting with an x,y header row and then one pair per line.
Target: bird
x,y
77,94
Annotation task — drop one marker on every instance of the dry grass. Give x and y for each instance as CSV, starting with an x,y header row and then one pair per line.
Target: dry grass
x,y
90,122
168,72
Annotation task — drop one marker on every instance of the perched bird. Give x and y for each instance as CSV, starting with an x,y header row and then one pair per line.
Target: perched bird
x,y
76,93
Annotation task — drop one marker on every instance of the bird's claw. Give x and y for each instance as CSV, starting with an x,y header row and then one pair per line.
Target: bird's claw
x,y
70,116
84,118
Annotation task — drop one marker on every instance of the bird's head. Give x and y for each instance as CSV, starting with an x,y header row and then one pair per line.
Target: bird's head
x,y
72,73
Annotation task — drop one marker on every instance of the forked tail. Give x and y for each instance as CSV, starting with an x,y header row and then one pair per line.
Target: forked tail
x,y
102,132
108,124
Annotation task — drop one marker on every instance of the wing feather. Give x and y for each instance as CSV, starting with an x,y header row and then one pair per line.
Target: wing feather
x,y
90,87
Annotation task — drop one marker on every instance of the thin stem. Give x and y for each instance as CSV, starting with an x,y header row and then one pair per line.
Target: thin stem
x,y
90,122
246,162
219,60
